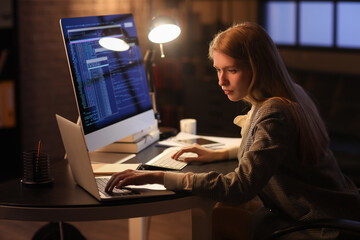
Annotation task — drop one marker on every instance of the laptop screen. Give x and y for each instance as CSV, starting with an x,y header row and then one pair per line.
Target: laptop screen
x,y
110,86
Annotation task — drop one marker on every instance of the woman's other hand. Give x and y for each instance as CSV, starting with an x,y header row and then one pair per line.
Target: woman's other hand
x,y
204,154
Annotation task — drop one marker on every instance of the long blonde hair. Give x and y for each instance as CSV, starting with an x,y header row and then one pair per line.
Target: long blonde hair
x,y
250,43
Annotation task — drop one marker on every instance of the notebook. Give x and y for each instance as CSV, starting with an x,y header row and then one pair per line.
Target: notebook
x,y
80,165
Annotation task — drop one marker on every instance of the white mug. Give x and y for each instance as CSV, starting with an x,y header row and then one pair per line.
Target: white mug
x,y
188,125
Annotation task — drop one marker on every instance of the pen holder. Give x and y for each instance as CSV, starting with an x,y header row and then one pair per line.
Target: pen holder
x,y
36,168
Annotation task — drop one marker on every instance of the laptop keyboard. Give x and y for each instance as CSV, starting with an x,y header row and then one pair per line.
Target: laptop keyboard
x,y
101,183
164,160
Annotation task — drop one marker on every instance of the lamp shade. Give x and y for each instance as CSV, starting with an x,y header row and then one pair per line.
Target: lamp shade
x,y
163,29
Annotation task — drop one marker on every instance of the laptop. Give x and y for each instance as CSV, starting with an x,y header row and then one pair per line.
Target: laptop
x,y
80,165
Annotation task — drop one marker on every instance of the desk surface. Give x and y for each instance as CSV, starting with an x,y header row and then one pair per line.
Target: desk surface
x,y
64,195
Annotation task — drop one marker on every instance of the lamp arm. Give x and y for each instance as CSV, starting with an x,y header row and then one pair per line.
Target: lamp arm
x,y
148,62
148,69
162,50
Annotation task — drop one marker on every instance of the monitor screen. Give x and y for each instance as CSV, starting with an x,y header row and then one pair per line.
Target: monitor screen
x,y
111,88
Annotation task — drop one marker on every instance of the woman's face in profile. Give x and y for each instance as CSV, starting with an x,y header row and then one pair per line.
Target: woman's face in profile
x,y
234,76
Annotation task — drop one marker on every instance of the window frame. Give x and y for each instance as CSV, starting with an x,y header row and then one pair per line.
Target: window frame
x,y
262,20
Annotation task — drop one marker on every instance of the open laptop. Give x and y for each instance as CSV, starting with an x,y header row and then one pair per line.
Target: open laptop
x,y
80,165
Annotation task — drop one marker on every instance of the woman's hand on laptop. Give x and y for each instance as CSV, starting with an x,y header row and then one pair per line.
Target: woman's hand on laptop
x,y
134,177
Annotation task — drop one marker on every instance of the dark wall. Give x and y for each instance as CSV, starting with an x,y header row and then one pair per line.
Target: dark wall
x,y
45,86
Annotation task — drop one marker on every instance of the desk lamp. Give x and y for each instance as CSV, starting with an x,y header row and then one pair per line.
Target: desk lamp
x,y
162,29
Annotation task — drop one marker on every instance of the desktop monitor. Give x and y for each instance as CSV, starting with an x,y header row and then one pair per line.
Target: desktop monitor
x,y
111,88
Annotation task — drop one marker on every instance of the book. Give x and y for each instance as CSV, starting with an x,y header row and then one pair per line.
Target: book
x,y
132,147
7,104
3,56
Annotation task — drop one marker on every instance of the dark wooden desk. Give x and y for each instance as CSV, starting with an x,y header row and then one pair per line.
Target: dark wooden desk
x,y
66,201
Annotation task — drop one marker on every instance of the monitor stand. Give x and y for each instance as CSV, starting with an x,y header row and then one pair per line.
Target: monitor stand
x,y
135,142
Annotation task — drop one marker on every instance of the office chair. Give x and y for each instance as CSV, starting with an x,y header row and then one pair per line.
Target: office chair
x,y
349,229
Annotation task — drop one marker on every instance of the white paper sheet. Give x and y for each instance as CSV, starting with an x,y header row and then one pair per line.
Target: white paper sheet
x,y
222,142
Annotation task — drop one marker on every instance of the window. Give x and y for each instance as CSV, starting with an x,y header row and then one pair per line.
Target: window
x,y
348,24
326,24
281,21
316,23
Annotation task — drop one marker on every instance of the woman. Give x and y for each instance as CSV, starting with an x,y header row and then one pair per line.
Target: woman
x,y
284,156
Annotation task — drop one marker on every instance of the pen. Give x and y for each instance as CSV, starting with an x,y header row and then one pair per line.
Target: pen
x,y
38,157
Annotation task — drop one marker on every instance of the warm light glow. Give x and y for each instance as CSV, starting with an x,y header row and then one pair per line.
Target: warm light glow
x,y
114,44
164,33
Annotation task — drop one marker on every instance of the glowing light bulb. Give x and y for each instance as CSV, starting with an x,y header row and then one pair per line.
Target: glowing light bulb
x,y
164,33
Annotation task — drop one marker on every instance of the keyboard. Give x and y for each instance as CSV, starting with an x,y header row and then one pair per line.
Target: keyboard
x,y
164,160
101,183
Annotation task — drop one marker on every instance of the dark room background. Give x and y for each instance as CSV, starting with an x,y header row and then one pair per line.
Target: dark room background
x,y
186,84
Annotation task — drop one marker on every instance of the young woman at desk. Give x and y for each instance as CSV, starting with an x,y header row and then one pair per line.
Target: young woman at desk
x,y
284,157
